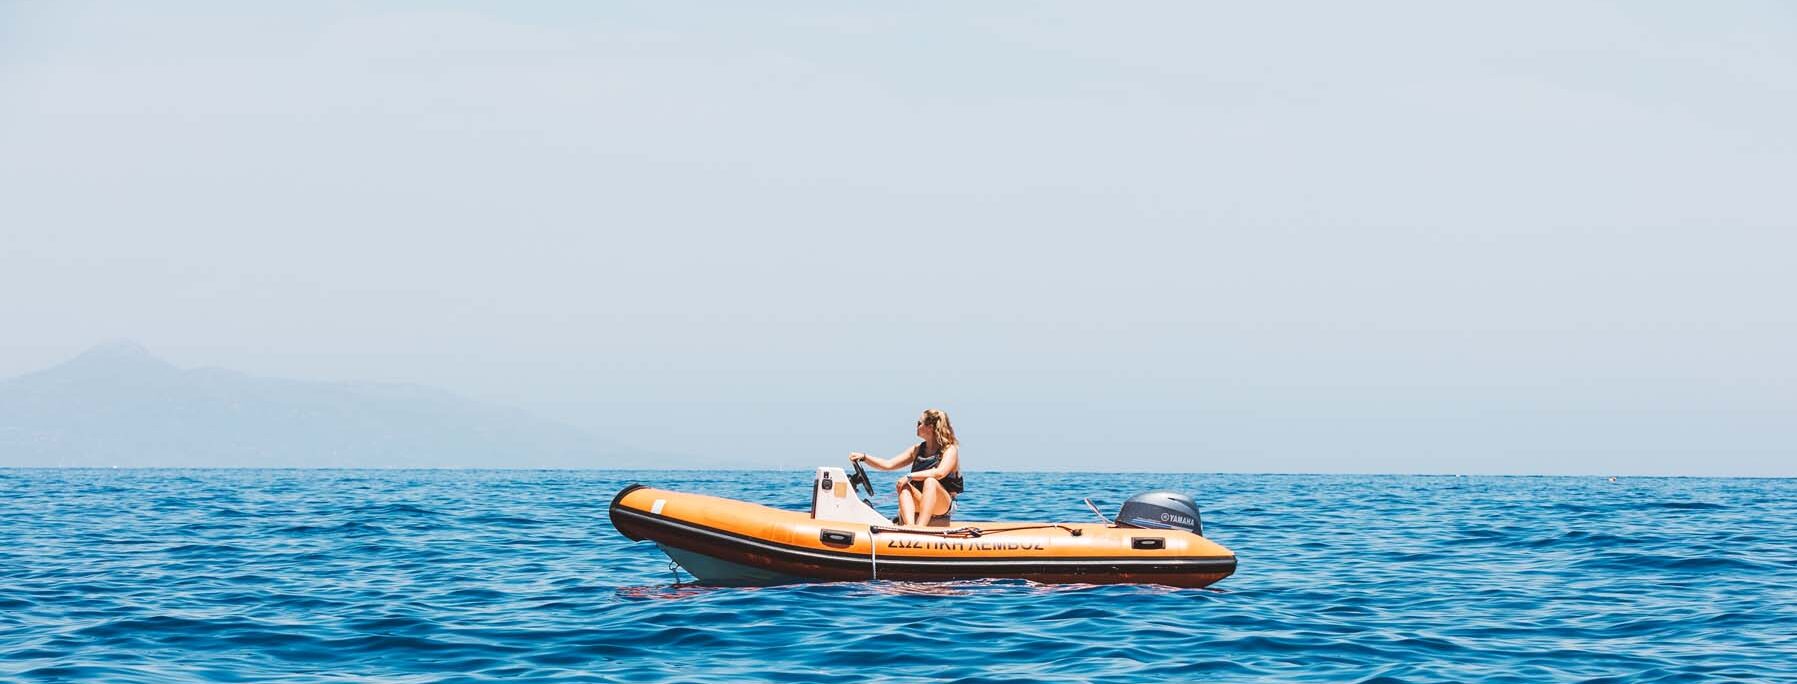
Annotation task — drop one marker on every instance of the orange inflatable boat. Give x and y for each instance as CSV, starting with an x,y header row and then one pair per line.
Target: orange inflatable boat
x,y
729,542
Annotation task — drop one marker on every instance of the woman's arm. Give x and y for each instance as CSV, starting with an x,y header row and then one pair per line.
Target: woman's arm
x,y
951,460
894,463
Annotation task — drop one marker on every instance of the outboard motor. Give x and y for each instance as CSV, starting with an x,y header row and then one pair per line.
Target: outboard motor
x,y
1161,511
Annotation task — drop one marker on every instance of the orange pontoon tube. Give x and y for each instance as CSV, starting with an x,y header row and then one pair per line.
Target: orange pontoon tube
x,y
729,542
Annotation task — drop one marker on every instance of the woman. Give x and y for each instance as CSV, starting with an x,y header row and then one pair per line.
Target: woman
x,y
935,478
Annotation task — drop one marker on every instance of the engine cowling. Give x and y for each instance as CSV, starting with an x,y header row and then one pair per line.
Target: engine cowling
x,y
1161,510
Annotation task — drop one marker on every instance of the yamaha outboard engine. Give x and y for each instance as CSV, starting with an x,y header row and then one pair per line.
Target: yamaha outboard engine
x,y
1161,511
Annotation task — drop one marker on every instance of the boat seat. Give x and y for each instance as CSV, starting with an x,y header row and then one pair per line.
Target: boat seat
x,y
942,520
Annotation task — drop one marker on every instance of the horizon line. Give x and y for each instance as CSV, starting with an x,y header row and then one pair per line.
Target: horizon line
x,y
784,470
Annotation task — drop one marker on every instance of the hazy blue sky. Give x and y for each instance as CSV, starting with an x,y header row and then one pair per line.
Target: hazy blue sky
x,y
1555,237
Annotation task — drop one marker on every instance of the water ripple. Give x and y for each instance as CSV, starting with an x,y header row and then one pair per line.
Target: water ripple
x,y
480,576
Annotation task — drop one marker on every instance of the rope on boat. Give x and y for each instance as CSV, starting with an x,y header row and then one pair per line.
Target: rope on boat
x,y
1074,531
957,532
970,532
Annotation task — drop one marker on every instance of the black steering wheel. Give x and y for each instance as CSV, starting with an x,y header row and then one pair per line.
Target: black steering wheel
x,y
859,479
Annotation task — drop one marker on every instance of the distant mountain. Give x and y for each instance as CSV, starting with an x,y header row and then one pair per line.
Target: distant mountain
x,y
117,405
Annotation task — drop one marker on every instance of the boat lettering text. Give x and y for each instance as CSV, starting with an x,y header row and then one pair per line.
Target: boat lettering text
x,y
965,545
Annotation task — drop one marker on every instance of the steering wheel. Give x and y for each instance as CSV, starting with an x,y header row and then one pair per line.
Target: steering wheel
x,y
859,479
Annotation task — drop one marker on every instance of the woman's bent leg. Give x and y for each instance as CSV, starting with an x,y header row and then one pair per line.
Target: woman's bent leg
x,y
935,501
907,505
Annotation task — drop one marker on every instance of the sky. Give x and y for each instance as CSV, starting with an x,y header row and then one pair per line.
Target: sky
x,y
1537,237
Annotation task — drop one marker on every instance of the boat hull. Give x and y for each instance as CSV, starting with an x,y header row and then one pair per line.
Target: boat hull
x,y
724,541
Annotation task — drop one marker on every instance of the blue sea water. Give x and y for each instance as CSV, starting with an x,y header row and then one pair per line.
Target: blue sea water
x,y
426,576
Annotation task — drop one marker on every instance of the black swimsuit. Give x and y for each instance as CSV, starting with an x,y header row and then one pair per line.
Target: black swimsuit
x,y
951,482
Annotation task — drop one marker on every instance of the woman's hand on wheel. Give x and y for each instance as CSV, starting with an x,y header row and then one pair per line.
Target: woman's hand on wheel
x,y
857,456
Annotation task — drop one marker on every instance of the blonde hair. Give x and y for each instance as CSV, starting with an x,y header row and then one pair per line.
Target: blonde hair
x,y
937,421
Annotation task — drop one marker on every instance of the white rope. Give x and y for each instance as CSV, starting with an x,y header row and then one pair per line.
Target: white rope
x,y
873,552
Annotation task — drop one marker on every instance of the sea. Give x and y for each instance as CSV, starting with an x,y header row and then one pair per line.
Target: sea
x,y
238,575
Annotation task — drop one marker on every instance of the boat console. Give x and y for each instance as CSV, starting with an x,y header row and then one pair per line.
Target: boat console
x,y
834,497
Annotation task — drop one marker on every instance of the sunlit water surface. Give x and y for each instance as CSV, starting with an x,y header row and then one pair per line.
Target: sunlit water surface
x,y
423,576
